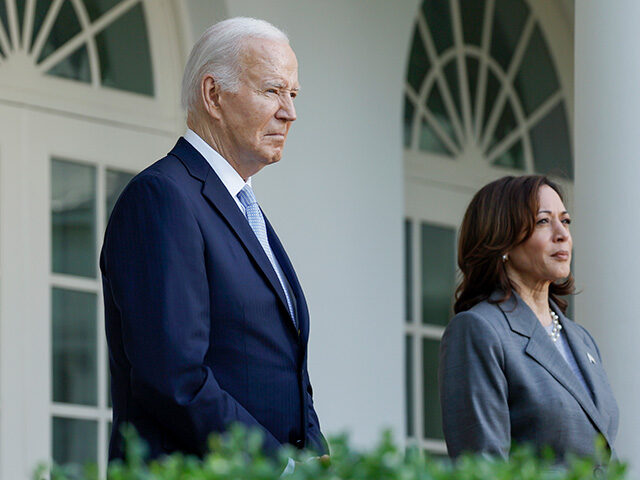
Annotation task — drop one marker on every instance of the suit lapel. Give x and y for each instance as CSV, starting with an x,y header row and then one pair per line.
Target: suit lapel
x,y
591,371
540,347
287,268
218,196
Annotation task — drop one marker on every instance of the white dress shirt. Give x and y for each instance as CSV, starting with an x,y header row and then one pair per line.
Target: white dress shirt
x,y
226,173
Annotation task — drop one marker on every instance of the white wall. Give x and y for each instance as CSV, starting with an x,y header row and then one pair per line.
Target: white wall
x,y
336,200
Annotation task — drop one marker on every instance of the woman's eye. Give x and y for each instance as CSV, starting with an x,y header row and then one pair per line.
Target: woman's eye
x,y
567,221
542,221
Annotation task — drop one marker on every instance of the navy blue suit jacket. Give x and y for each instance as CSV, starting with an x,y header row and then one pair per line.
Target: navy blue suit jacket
x,y
197,324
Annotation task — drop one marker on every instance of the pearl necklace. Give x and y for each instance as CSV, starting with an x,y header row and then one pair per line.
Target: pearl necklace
x,y
555,331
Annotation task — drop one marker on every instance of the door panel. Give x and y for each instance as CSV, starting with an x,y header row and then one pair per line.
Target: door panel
x,y
75,169
433,216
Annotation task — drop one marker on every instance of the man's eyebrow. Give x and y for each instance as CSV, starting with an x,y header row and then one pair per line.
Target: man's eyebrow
x,y
282,86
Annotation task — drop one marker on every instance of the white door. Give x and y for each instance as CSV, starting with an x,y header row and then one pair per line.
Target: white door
x,y
71,176
433,216
88,97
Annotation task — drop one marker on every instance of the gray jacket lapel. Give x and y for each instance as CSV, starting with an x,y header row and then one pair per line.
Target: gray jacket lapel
x,y
591,371
540,347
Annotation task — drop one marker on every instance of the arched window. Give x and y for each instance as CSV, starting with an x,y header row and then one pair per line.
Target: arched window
x,y
481,86
485,96
99,42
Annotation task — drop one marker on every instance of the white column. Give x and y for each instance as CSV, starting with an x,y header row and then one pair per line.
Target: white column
x,y
607,198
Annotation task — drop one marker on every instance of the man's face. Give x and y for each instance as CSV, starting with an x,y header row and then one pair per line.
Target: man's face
x,y
256,118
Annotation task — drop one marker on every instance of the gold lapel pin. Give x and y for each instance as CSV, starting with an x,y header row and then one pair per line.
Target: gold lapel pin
x,y
591,359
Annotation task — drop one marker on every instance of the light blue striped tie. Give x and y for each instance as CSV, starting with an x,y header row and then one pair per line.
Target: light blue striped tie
x,y
256,222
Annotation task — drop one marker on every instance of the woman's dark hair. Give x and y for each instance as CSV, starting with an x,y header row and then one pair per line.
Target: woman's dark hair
x,y
500,216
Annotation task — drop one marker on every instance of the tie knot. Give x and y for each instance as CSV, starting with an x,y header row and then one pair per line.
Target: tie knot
x,y
246,196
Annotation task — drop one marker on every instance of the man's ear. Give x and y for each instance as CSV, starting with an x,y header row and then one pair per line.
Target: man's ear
x,y
210,92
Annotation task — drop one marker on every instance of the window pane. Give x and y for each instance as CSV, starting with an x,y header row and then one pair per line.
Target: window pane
x,y
4,17
116,181
438,273
74,346
472,21
429,140
436,105
451,74
536,80
506,124
73,218
472,74
20,4
409,111
508,22
74,441
42,7
66,27
419,63
551,145
96,8
74,67
408,271
408,375
512,158
431,407
437,14
123,48
493,87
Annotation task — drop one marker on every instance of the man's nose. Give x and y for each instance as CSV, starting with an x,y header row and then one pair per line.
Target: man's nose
x,y
287,110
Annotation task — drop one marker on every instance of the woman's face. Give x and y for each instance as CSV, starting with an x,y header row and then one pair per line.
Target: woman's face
x,y
546,255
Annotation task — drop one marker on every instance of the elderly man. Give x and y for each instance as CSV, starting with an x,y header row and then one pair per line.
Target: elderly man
x,y
206,321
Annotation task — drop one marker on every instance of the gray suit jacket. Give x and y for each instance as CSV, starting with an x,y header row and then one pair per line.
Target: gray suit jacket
x,y
502,380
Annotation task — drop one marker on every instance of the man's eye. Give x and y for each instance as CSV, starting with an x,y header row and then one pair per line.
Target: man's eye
x,y
294,94
272,90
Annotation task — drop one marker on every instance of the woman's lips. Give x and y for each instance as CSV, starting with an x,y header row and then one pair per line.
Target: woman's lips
x,y
561,255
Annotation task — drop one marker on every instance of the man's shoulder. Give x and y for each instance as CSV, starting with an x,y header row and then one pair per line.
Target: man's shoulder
x,y
171,168
164,179
167,167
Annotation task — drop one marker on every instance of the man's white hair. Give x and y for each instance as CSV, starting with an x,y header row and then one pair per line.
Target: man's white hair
x,y
217,53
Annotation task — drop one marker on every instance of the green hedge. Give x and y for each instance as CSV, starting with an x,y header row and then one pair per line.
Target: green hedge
x,y
238,456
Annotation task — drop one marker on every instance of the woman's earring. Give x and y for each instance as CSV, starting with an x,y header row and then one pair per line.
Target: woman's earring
x,y
505,258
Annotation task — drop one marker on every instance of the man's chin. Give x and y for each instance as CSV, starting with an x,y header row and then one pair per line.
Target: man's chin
x,y
273,157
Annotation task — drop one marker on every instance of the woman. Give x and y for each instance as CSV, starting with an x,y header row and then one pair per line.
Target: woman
x,y
513,368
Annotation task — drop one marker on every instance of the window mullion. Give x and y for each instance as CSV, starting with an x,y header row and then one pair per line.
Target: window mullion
x,y
483,72
463,80
14,28
45,29
85,22
523,42
27,27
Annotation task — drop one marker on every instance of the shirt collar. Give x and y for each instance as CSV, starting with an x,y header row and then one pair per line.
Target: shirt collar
x,y
227,174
